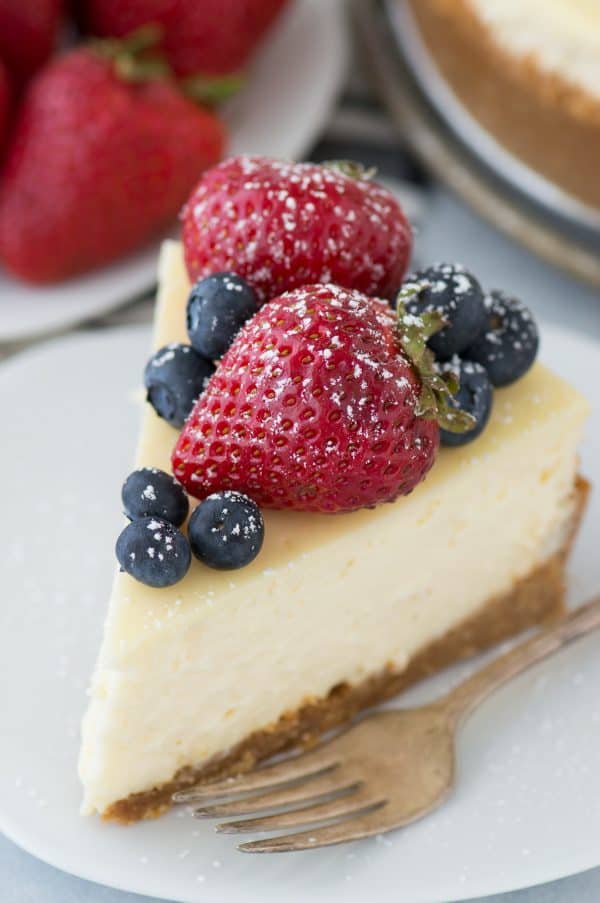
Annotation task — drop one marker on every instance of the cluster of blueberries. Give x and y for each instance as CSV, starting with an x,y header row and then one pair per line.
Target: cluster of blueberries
x,y
176,375
489,340
225,531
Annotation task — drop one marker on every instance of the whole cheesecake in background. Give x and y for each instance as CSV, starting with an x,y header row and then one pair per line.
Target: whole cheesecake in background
x,y
529,72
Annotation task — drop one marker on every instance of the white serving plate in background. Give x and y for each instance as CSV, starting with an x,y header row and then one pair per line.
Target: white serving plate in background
x,y
291,89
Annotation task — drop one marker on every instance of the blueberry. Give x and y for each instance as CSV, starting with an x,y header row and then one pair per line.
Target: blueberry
x,y
226,530
217,308
474,396
154,552
152,492
509,341
456,293
174,377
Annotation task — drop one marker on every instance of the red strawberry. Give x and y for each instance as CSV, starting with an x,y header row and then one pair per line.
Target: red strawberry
x,y
283,225
315,407
28,34
212,37
4,104
97,165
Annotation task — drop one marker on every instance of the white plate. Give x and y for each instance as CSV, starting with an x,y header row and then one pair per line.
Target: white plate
x,y
526,809
293,84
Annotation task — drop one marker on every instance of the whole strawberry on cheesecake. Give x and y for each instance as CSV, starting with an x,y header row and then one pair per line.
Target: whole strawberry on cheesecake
x,y
315,407
281,225
342,485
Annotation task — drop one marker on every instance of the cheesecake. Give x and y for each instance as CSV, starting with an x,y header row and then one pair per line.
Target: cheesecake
x,y
338,612
529,72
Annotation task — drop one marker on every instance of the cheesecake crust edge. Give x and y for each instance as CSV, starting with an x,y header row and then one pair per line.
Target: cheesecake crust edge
x,y
534,600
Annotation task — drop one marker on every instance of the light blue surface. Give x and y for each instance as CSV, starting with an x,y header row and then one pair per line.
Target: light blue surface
x,y
453,233
26,880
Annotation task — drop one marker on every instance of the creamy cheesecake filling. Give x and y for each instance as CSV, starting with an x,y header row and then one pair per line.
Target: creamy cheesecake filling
x,y
563,36
186,673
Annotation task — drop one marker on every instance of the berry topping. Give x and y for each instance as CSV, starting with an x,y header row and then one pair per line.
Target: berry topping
x,y
152,492
226,530
475,397
314,407
282,225
175,376
154,552
457,295
509,341
218,307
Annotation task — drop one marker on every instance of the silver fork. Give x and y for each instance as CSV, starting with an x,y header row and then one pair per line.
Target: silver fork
x,y
387,770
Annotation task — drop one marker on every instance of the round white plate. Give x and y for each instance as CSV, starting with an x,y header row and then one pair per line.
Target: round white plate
x,y
526,808
291,89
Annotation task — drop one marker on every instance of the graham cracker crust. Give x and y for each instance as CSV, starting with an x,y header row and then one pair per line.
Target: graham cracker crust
x,y
534,600
545,120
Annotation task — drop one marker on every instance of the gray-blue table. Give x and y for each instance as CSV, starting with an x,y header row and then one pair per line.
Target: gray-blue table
x,y
25,880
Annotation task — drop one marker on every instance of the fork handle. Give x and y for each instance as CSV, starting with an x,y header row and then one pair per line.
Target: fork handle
x,y
463,699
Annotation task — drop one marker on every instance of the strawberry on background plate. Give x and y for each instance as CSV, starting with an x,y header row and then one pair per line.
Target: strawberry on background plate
x,y
28,35
4,105
324,402
97,164
281,225
212,37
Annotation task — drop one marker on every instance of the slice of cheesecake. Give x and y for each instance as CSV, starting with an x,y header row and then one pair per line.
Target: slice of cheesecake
x,y
338,611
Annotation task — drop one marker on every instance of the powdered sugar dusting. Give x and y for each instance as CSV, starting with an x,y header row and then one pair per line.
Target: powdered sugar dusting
x,y
168,354
511,327
456,282
313,402
288,224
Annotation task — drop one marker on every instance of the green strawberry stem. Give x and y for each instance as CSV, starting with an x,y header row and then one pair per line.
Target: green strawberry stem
x,y
147,37
437,390
138,70
212,90
136,57
351,169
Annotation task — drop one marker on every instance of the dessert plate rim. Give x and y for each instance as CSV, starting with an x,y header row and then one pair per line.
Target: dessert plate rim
x,y
48,645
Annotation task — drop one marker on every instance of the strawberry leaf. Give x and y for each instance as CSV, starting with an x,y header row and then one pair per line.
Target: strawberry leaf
x,y
137,57
212,90
436,401
351,169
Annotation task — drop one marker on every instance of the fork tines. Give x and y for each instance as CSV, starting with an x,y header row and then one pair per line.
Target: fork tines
x,y
308,789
